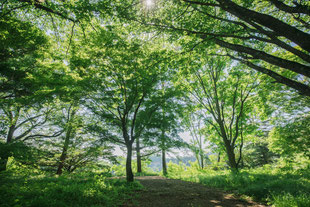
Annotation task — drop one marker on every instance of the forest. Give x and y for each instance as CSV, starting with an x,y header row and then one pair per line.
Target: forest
x,y
92,92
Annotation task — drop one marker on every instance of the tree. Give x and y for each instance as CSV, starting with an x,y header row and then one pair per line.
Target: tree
x,y
161,134
126,73
76,12
30,76
273,43
23,124
291,137
22,44
223,93
70,126
76,146
194,124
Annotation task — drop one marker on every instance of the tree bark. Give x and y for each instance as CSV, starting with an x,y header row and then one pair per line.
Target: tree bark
x,y
287,64
303,89
280,28
297,9
228,145
139,164
164,163
129,174
67,140
231,156
9,137
64,152
163,149
201,160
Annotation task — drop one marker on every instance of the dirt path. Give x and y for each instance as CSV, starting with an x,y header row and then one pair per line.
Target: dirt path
x,y
162,192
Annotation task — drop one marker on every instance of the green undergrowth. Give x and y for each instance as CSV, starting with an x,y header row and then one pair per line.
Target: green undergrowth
x,y
277,187
68,190
120,169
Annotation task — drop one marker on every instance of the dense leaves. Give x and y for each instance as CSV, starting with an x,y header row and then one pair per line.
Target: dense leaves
x,y
79,79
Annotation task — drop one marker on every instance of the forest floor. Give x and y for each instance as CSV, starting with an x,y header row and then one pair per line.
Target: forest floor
x,y
163,192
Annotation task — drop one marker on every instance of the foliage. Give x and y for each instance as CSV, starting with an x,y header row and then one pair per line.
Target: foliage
x,y
76,190
251,33
222,96
21,47
268,184
79,77
292,138
20,154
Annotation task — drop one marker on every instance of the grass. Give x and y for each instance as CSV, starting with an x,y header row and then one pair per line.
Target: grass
x,y
272,186
83,190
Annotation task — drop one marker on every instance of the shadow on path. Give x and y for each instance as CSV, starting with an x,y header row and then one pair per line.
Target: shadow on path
x,y
163,192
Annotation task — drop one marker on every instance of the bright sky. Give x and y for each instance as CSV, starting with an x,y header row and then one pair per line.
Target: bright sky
x,y
149,3
184,135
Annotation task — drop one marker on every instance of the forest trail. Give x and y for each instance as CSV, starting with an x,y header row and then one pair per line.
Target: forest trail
x,y
163,192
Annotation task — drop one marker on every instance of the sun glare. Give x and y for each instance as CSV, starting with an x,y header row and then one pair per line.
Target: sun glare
x,y
149,3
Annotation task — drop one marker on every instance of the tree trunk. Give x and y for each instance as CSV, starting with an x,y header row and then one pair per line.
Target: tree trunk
x,y
164,164
129,174
279,27
231,157
64,151
9,137
139,164
163,149
219,157
201,160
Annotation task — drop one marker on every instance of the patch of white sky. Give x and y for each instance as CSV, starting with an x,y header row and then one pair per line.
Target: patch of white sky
x,y
186,136
149,3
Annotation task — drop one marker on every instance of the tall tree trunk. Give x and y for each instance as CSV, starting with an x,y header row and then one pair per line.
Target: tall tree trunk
x,y
69,128
139,164
164,163
64,151
201,160
129,174
201,153
163,150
